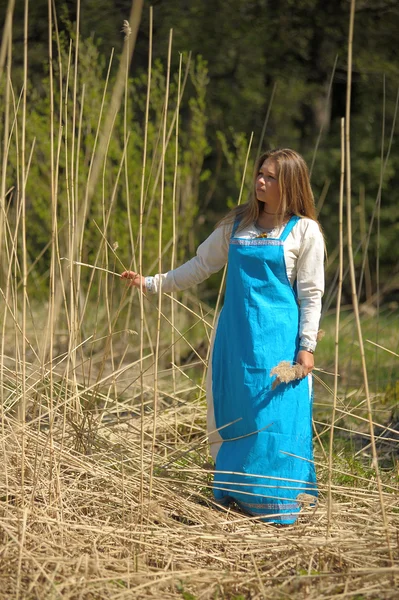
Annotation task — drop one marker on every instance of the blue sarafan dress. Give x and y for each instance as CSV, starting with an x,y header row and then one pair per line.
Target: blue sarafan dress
x,y
265,460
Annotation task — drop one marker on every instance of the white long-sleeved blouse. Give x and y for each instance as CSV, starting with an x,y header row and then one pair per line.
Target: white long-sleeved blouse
x,y
304,260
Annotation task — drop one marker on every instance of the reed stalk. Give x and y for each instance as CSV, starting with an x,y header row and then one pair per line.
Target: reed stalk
x,y
117,92
337,324
49,335
127,31
353,277
6,50
93,154
174,232
5,269
325,119
153,180
72,222
378,216
160,223
363,237
79,466
140,237
379,192
7,35
22,404
265,122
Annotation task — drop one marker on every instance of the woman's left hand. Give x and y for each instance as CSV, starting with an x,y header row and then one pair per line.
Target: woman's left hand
x,y
306,359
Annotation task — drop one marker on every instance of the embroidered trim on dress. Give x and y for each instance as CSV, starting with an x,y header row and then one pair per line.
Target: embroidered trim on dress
x,y
256,242
270,506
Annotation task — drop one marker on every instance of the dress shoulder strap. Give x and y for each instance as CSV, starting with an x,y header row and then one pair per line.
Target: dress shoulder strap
x,y
235,226
289,227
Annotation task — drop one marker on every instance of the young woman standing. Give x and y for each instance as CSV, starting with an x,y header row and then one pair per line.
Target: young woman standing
x,y
261,438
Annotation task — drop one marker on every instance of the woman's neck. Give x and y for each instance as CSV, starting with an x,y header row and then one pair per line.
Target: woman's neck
x,y
268,220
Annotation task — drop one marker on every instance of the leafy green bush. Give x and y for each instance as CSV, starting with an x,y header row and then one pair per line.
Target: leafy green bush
x,y
75,126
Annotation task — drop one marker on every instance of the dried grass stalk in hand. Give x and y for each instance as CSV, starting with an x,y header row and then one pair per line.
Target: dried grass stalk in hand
x,y
287,372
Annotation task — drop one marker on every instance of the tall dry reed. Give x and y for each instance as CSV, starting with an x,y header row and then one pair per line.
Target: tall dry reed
x,y
105,490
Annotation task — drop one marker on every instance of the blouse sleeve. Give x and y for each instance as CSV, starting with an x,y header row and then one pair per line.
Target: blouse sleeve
x,y
310,284
211,257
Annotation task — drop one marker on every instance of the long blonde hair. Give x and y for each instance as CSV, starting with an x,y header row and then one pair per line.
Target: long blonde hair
x,y
295,191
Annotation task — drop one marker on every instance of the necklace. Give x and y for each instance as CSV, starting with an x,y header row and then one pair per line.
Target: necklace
x,y
268,232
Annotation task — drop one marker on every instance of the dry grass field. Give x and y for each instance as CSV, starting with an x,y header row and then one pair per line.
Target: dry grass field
x,y
104,497
106,480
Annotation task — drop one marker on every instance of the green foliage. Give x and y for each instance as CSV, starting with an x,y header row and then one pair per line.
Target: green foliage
x,y
76,117
246,49
391,399
255,45
392,393
184,594
235,154
305,572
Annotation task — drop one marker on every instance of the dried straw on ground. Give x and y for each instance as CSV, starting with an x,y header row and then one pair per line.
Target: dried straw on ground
x,y
77,529
98,501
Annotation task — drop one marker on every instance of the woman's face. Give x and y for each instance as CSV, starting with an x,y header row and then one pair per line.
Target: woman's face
x,y
267,187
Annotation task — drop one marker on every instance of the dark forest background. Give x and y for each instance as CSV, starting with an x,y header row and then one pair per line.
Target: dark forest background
x,y
248,57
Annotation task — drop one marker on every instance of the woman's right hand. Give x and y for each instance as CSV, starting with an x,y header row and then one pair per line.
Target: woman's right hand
x,y
135,279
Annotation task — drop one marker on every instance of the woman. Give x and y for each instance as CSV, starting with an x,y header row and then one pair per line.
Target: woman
x,y
261,438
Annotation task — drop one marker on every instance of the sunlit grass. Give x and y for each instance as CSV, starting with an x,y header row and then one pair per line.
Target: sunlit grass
x,y
105,490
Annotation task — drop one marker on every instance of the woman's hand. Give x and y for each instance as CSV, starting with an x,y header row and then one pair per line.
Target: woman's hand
x,y
135,279
306,359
